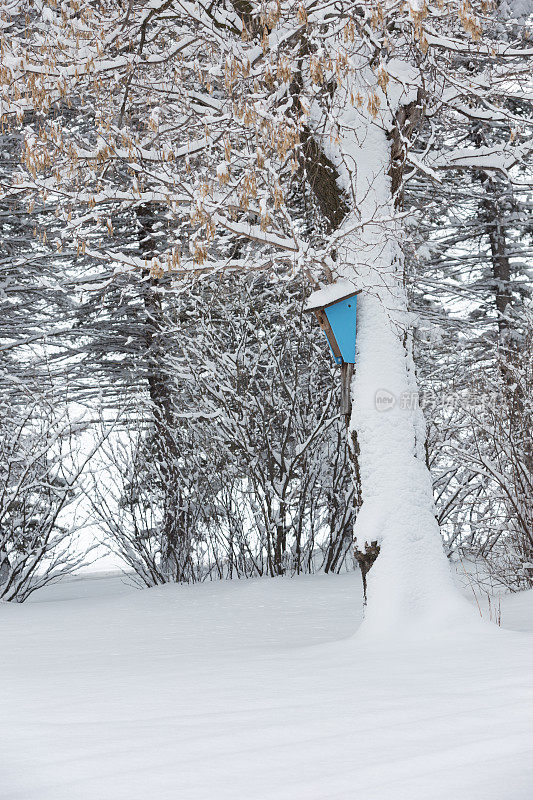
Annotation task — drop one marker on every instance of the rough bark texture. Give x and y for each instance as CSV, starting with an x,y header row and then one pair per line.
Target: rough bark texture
x,y
322,178
406,120
4,568
365,558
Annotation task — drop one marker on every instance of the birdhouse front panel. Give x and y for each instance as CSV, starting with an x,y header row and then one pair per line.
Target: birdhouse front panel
x,y
342,318
335,307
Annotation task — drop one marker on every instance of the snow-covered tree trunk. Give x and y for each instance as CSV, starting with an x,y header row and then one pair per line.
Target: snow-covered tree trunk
x,y
411,579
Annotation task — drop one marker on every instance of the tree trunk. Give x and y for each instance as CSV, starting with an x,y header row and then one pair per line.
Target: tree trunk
x,y
511,365
5,569
174,534
411,579
493,207
280,542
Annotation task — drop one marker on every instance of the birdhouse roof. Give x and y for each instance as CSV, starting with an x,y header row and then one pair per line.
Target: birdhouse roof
x,y
331,294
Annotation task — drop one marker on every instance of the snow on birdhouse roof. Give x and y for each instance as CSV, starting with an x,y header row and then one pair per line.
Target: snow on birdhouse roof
x,y
333,293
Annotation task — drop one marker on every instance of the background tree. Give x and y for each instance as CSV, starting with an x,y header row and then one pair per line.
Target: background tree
x,y
471,287
261,474
43,461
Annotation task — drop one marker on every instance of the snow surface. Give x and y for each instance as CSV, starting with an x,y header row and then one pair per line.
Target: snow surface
x,y
255,690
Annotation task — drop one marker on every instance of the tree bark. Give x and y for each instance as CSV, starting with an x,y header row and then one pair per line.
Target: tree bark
x,y
175,543
5,569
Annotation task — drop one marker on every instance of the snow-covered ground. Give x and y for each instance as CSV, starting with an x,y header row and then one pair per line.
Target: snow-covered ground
x,y
253,690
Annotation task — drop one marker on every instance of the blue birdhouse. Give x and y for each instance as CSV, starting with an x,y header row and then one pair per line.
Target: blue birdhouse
x,y
335,307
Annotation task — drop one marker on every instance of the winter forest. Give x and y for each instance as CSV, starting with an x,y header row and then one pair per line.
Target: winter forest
x,y
266,354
